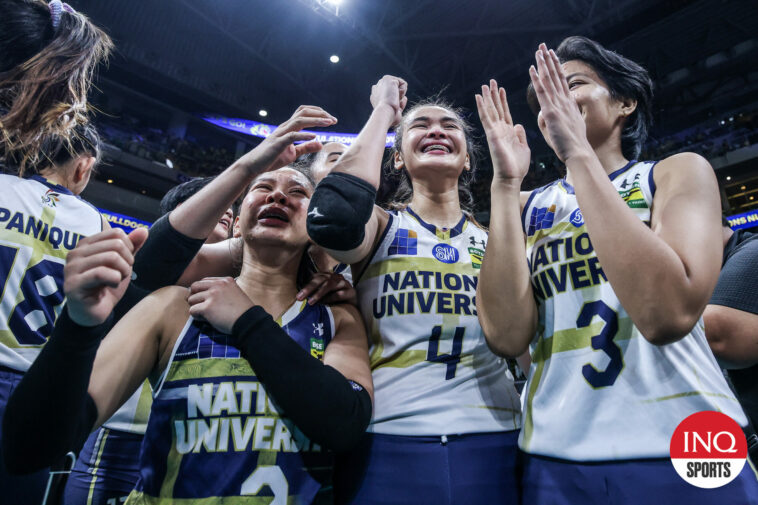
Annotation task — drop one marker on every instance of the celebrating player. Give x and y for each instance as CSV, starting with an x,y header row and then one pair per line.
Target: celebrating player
x,y
41,221
622,257
446,412
223,369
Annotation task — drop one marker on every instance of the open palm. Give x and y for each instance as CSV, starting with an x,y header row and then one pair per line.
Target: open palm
x,y
508,147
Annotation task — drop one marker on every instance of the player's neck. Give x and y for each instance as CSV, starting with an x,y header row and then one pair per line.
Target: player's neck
x,y
440,208
610,156
54,177
268,278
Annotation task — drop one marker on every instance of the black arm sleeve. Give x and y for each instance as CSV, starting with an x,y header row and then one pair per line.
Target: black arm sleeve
x,y
164,256
339,210
329,409
50,413
737,286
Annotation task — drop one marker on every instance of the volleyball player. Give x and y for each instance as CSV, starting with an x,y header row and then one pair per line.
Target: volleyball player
x,y
42,219
622,258
243,405
446,413
107,467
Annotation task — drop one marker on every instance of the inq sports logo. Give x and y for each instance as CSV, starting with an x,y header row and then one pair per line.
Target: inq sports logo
x,y
708,449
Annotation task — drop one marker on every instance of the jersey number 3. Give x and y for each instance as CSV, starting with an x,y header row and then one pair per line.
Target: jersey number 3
x,y
603,341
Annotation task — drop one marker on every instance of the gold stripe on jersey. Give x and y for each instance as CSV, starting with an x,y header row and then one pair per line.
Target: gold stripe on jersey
x,y
193,368
392,265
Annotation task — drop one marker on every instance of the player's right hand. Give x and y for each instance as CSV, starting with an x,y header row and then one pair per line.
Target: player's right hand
x,y
278,149
97,273
390,90
508,147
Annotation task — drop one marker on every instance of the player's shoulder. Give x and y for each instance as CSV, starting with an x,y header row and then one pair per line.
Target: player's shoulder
x,y
344,313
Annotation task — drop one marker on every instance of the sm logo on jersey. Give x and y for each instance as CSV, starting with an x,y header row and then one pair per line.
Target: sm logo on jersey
x,y
445,253
541,219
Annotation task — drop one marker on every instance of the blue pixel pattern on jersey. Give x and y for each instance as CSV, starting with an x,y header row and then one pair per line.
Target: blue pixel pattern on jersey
x,y
405,242
214,432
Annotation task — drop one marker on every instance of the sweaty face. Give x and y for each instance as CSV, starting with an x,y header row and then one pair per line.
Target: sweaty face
x,y
433,139
275,208
326,159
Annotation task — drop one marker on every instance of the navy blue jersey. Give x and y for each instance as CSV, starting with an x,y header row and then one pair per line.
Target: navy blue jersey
x,y
215,433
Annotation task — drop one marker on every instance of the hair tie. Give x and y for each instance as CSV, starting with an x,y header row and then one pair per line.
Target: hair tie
x,y
56,10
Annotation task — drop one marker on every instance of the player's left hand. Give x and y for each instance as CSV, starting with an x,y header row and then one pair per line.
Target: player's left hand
x,y
329,288
563,120
219,301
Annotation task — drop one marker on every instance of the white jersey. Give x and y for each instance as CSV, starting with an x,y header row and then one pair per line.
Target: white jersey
x,y
40,223
597,390
433,372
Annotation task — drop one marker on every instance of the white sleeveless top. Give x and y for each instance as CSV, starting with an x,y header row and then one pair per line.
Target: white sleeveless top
x,y
597,390
40,223
433,372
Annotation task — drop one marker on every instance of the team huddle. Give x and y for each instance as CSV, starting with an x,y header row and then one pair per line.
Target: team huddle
x,y
322,349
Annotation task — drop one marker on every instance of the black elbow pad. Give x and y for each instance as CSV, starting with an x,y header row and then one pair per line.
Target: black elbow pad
x,y
339,210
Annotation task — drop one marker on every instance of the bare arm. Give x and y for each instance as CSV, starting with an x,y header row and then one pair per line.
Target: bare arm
x,y
348,350
663,275
198,216
732,335
504,299
136,347
363,159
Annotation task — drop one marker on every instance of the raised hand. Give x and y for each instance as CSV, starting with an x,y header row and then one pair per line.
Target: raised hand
x,y
564,123
97,273
508,147
219,301
279,148
390,90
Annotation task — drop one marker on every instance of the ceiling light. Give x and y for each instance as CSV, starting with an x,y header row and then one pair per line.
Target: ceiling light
x,y
334,58
752,198
169,163
263,113
728,177
742,187
110,181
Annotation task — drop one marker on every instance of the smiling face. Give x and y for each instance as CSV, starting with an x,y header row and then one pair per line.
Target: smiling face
x,y
221,231
604,115
275,208
433,142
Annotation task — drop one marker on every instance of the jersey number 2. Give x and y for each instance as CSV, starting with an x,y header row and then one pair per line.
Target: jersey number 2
x,y
603,341
271,476
451,359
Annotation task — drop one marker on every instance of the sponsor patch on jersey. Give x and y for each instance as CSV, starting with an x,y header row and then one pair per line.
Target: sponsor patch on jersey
x,y
476,257
445,253
576,218
541,219
632,193
405,242
51,198
317,348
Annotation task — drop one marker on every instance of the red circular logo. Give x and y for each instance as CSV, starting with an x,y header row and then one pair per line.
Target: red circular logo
x,y
708,449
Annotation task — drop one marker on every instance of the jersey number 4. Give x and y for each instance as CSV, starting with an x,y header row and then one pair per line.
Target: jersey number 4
x,y
452,359
603,341
31,319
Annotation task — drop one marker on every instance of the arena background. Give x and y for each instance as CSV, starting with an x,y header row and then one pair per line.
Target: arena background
x,y
190,79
